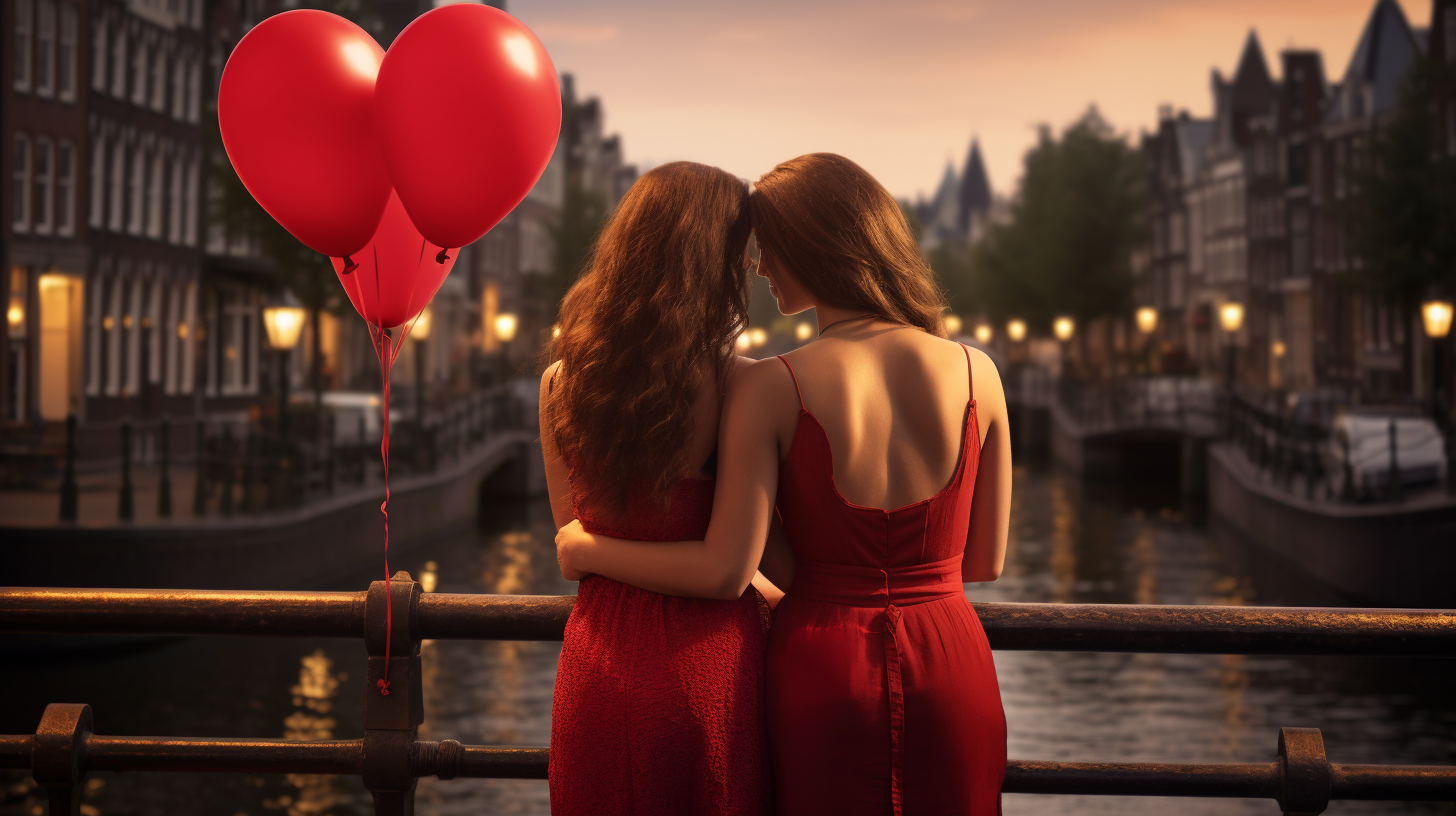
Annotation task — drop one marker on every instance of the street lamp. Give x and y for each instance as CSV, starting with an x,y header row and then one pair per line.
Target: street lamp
x,y
1063,327
983,333
953,325
1016,330
757,337
284,325
1147,319
420,332
505,326
1436,315
803,332
1231,317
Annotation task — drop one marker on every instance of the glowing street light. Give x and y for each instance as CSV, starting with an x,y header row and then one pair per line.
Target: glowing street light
x,y
983,333
953,325
757,337
803,332
1278,349
1147,319
420,331
1436,314
555,331
1016,330
1231,316
505,327
1063,327
284,325
743,342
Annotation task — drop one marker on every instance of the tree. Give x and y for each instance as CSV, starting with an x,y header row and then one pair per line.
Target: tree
x,y
1400,214
1075,223
573,233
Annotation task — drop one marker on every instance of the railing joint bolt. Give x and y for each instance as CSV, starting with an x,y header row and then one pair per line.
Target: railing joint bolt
x,y
1304,772
58,757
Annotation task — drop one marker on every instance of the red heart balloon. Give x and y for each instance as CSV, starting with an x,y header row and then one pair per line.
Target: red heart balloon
x,y
468,108
296,111
397,273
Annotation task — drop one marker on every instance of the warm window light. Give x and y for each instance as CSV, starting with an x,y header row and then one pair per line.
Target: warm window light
x,y
421,328
555,331
505,327
182,331
15,315
126,322
743,342
1147,319
1436,314
953,324
1016,330
983,333
1279,349
1231,316
757,337
107,323
284,325
803,331
1063,327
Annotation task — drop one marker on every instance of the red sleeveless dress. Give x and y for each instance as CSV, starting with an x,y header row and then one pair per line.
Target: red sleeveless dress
x,y
658,706
882,696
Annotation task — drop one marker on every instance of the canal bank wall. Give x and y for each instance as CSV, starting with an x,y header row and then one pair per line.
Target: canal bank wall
x,y
1401,555
306,548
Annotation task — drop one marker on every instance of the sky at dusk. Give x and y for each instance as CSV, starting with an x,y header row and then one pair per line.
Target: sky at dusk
x,y
902,86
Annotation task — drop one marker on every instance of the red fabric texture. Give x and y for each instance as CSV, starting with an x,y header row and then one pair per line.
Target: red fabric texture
x,y
882,694
659,706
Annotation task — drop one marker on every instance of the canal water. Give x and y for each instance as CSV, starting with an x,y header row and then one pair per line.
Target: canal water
x,y
1072,541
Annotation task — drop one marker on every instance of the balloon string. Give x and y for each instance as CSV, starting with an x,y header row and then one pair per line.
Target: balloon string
x,y
386,363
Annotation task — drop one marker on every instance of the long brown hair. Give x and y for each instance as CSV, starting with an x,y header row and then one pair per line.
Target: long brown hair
x,y
836,230
666,289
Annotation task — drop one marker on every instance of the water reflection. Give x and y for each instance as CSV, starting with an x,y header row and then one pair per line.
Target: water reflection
x,y
1071,541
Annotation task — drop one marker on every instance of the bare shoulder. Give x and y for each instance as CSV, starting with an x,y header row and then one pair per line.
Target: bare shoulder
x,y
764,384
546,377
983,370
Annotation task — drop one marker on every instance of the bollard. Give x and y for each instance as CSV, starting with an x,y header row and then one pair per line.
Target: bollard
x,y
124,510
229,473
164,484
1394,484
199,487
69,494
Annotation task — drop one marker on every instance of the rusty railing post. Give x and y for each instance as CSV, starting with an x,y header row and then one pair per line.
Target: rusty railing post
x,y
1304,772
392,715
56,761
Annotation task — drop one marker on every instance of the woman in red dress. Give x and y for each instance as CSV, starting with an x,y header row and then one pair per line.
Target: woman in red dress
x,y
658,706
884,449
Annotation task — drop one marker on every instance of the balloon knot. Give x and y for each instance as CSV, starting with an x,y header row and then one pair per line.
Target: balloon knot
x,y
383,687
349,265
442,257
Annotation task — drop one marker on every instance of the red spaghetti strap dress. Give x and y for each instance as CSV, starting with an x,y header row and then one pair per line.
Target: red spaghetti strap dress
x,y
658,707
882,697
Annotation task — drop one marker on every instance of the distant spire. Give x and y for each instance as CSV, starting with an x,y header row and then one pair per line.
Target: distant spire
x,y
975,193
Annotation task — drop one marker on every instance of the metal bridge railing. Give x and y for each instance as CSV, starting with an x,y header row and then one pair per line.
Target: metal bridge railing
x,y
390,758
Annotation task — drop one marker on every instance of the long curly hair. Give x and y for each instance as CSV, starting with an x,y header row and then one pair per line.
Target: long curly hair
x,y
665,290
837,231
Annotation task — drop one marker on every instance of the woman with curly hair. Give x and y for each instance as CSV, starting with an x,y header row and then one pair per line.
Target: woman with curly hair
x,y
658,706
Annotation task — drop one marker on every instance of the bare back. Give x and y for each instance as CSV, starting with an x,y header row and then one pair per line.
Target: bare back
x,y
893,403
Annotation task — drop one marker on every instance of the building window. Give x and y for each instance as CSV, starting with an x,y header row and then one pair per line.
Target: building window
x,y
154,197
171,338
23,58
118,63
179,89
174,204
152,325
139,67
118,187
66,72
44,184
16,353
45,48
187,334
98,53
131,323
20,185
93,336
65,188
97,213
112,332
189,205
135,189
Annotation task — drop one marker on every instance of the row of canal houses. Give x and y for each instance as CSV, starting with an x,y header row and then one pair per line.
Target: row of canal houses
x,y
128,296
1244,210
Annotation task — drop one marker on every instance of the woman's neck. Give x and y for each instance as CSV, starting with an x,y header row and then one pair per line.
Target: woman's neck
x,y
829,315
